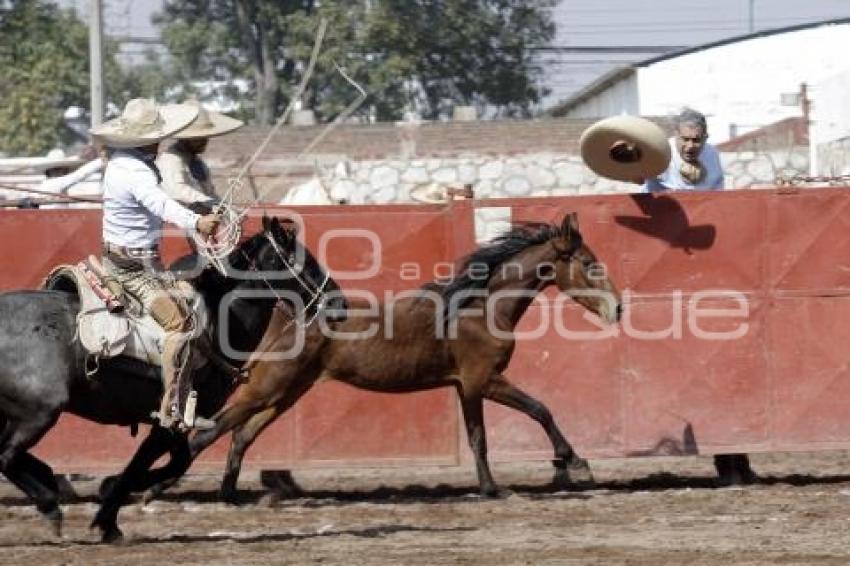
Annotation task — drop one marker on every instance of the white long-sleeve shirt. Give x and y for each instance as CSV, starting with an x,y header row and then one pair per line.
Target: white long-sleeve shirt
x,y
83,181
134,205
672,179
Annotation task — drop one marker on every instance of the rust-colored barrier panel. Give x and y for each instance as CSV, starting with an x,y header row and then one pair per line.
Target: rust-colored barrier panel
x,y
691,393
811,372
773,263
808,247
33,241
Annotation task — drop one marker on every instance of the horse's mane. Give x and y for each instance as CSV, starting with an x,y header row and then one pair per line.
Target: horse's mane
x,y
493,254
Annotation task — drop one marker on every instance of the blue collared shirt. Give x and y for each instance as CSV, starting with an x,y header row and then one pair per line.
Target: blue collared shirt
x,y
672,179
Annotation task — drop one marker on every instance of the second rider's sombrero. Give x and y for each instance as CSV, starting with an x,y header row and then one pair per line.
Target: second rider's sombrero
x,y
625,148
208,124
143,122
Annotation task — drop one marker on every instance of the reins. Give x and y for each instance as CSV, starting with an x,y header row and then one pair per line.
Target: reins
x,y
317,292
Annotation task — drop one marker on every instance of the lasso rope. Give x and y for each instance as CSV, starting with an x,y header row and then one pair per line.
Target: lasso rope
x,y
227,237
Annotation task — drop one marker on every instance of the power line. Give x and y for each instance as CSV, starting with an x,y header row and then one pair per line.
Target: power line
x,y
608,48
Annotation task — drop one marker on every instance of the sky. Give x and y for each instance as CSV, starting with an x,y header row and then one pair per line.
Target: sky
x,y
584,23
660,23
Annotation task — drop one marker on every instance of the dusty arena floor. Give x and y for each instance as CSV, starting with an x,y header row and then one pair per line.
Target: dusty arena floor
x,y
645,512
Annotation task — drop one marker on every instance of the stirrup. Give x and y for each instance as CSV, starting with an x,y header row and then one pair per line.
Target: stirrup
x,y
190,421
200,423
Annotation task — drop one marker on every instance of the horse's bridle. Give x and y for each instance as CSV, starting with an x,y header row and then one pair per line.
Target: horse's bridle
x,y
317,292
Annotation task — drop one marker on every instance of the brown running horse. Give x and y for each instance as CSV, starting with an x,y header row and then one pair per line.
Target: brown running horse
x,y
456,334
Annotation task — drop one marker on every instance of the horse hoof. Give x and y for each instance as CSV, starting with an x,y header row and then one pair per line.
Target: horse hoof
x,y
113,535
573,474
54,518
109,534
494,492
229,496
282,482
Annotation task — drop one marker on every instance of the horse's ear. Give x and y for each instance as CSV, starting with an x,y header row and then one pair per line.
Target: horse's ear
x,y
266,223
570,225
289,225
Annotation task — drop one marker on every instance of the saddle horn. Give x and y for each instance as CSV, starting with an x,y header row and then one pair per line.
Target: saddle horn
x,y
625,148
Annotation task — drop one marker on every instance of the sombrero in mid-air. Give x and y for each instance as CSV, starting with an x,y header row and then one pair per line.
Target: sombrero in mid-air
x,y
625,148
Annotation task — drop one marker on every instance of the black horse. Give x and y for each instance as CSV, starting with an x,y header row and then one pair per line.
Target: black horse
x,y
43,367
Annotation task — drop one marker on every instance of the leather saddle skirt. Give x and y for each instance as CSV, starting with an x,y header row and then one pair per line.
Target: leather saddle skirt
x,y
104,327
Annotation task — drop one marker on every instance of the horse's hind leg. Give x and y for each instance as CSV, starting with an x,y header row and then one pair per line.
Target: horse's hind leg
x,y
569,468
28,473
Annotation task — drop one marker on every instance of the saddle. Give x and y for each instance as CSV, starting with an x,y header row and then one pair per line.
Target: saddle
x,y
111,322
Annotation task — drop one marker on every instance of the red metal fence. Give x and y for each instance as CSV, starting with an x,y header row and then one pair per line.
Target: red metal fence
x,y
773,266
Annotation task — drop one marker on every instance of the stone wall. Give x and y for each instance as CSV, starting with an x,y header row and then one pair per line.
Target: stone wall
x,y
753,169
383,163
834,158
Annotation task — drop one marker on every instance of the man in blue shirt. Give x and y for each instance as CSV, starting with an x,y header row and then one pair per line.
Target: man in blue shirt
x,y
694,163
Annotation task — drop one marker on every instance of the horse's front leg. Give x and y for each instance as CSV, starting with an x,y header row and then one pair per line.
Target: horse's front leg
x,y
472,405
155,444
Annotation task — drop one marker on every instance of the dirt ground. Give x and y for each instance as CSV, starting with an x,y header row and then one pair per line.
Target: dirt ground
x,y
642,511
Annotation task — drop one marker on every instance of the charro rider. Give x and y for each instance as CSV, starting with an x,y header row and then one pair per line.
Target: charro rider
x,y
185,176
134,208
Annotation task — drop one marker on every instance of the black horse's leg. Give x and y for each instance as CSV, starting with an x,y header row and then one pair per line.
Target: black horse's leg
x,y
28,473
36,479
473,416
159,480
155,444
570,468
227,419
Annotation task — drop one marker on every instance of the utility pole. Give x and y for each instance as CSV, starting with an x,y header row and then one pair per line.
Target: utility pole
x,y
752,16
96,60
806,110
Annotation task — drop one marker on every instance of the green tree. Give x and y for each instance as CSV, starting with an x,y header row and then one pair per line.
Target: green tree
x,y
408,54
45,68
471,52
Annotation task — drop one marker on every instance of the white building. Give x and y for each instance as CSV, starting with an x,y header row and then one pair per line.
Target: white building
x,y
740,84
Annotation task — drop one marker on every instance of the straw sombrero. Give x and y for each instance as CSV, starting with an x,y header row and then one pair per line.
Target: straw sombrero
x,y
144,122
429,193
208,124
625,148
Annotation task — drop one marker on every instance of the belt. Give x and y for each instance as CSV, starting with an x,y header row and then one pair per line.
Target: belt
x,y
136,253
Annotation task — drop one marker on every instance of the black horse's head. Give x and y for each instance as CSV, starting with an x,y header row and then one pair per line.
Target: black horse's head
x,y
284,263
